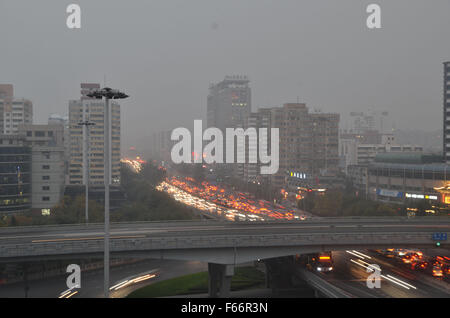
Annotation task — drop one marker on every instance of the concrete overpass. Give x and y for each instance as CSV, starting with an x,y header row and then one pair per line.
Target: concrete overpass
x,y
217,242
222,244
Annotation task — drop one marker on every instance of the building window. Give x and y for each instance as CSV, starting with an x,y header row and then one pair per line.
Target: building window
x,y
39,133
46,167
29,133
45,177
45,188
45,198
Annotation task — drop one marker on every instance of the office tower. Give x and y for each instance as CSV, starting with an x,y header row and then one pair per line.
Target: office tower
x,y
447,112
228,106
229,103
90,109
13,111
47,165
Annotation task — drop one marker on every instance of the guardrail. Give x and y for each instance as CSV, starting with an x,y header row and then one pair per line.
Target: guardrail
x,y
322,285
426,219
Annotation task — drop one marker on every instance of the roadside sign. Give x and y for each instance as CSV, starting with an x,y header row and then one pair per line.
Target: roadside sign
x,y
439,237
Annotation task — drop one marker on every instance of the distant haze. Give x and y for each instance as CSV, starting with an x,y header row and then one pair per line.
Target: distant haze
x,y
164,54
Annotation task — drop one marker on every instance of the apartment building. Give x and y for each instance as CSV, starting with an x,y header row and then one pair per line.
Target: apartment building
x,y
13,111
308,144
92,110
257,120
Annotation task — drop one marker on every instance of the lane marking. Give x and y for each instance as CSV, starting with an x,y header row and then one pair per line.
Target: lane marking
x,y
87,239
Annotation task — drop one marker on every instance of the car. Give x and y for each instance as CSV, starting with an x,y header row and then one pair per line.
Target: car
x,y
436,270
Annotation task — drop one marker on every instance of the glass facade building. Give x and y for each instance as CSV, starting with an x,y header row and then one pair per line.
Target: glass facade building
x,y
447,112
399,176
15,178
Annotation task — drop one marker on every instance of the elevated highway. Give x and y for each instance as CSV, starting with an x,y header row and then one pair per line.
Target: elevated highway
x,y
217,242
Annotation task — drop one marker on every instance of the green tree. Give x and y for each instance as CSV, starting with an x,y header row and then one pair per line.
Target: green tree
x,y
72,210
308,202
329,204
198,173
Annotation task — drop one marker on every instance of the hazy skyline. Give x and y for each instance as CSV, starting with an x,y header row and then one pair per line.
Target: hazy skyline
x,y
165,53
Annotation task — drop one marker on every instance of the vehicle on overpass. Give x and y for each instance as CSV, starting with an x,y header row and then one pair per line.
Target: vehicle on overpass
x,y
436,269
389,252
444,261
411,256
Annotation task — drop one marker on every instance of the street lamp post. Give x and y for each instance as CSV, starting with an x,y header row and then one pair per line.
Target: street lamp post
x,y
86,124
108,93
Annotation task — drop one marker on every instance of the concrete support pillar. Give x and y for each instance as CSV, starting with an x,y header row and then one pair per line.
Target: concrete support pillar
x,y
268,279
220,280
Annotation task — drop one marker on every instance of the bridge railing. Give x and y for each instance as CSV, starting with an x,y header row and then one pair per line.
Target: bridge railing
x,y
327,241
425,219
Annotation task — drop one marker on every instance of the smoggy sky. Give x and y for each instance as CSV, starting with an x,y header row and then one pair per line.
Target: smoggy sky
x,y
164,53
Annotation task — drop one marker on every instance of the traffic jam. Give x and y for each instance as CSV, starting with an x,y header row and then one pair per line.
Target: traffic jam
x,y
437,266
239,206
230,204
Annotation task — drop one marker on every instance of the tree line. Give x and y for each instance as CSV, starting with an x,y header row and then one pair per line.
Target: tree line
x,y
142,203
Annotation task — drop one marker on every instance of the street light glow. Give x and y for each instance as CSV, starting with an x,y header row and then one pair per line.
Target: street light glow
x,y
108,93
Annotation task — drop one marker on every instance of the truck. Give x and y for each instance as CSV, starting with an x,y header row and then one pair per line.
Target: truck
x,y
318,262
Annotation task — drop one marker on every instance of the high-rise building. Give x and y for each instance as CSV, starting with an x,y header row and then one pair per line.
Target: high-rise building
x,y
325,143
13,111
257,120
90,109
447,112
308,144
295,148
228,106
162,146
229,103
56,119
